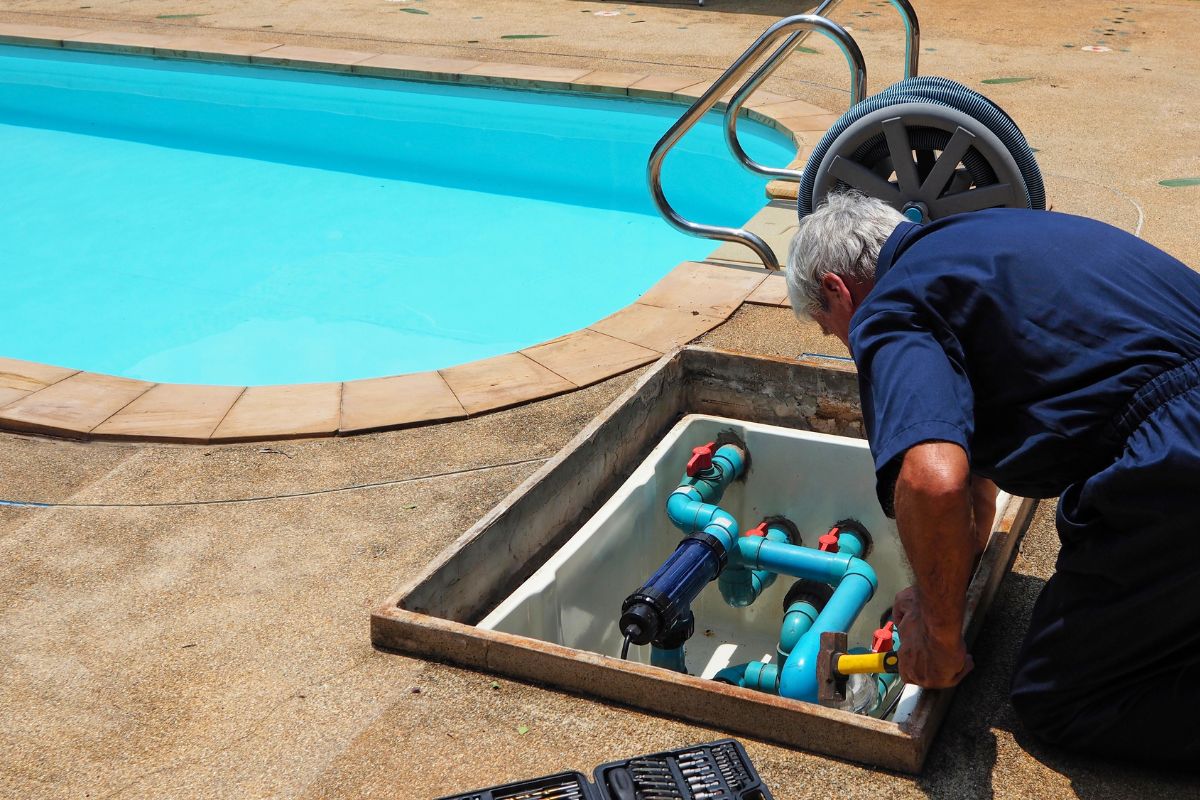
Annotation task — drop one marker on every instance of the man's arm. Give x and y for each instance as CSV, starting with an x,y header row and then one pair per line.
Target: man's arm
x,y
934,513
983,502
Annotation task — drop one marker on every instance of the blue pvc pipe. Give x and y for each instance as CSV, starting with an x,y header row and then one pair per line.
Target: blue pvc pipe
x,y
798,618
851,544
753,675
798,679
669,658
690,514
693,506
734,675
799,562
741,586
855,584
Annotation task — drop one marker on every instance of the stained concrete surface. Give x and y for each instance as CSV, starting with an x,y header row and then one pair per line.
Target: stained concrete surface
x,y
193,621
216,644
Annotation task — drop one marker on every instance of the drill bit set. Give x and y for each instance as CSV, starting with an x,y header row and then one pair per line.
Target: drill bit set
x,y
718,770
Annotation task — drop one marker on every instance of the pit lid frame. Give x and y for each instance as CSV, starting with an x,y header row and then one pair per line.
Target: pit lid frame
x,y
433,616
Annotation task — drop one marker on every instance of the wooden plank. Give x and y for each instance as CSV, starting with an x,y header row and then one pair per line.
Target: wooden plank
x,y
743,711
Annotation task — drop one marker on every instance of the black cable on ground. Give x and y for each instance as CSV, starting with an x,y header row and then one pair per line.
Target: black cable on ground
x,y
336,489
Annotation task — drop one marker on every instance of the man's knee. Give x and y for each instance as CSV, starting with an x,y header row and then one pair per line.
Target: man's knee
x,y
1043,711
1044,717
1146,720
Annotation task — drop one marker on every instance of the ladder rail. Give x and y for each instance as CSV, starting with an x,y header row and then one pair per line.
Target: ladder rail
x,y
780,30
912,47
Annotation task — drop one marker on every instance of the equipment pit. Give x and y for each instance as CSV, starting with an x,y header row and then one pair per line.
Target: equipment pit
x,y
536,588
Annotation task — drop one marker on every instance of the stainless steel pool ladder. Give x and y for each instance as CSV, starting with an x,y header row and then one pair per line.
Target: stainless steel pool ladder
x,y
796,28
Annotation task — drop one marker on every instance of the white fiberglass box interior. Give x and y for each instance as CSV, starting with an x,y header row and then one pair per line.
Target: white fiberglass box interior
x,y
812,479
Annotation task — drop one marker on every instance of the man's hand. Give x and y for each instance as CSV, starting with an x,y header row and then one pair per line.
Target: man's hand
x,y
927,658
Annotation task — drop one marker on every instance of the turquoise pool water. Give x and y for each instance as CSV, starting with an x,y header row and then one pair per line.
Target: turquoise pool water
x,y
183,222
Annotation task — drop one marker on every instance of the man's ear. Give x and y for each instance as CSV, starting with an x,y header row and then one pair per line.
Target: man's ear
x,y
835,289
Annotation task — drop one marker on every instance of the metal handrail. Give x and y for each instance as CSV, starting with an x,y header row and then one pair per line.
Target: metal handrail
x,y
707,100
912,47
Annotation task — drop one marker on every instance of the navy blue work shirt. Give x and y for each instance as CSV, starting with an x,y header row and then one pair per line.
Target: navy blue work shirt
x,y
1018,335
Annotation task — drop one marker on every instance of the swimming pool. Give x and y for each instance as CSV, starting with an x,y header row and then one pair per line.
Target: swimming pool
x,y
183,222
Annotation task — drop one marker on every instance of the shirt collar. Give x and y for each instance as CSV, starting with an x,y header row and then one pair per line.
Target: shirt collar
x,y
887,253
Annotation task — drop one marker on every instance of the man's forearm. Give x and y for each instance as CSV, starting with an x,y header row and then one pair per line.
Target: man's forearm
x,y
983,502
937,527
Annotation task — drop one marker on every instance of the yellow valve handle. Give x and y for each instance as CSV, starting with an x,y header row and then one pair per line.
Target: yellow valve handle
x,y
867,663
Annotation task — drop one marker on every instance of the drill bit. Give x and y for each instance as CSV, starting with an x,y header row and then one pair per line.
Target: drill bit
x,y
560,792
657,793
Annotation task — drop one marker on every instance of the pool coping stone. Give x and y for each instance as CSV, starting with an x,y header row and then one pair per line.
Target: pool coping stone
x,y
172,412
324,59
690,300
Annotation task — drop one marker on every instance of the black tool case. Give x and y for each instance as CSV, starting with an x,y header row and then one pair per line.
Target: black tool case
x,y
718,770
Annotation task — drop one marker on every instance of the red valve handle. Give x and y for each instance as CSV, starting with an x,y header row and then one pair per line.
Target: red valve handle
x,y
883,638
829,542
701,459
761,530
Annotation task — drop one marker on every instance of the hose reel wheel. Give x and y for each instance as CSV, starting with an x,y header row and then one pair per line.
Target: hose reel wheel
x,y
929,148
924,160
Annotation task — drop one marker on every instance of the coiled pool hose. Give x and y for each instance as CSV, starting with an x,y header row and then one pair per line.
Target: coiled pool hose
x,y
943,92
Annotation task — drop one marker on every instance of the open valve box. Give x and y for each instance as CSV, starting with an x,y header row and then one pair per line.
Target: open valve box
x,y
506,598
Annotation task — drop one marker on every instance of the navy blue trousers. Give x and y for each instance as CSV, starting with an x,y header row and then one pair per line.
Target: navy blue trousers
x,y
1111,662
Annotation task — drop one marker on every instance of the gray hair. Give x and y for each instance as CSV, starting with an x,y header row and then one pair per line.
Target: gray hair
x,y
842,237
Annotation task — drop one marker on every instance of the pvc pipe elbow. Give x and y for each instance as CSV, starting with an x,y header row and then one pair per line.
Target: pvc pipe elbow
x,y
796,621
863,570
798,678
689,514
752,675
721,526
733,675
740,586
683,504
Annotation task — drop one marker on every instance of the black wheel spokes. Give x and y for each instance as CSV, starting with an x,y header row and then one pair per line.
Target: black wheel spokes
x,y
961,181
863,179
946,187
901,152
977,199
943,169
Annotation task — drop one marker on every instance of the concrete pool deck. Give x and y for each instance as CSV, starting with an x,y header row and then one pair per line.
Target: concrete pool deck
x,y
192,621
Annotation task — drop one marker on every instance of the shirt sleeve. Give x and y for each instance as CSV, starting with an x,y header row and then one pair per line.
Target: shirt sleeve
x,y
913,389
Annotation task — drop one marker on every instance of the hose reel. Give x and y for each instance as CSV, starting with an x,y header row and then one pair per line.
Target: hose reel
x,y
928,147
